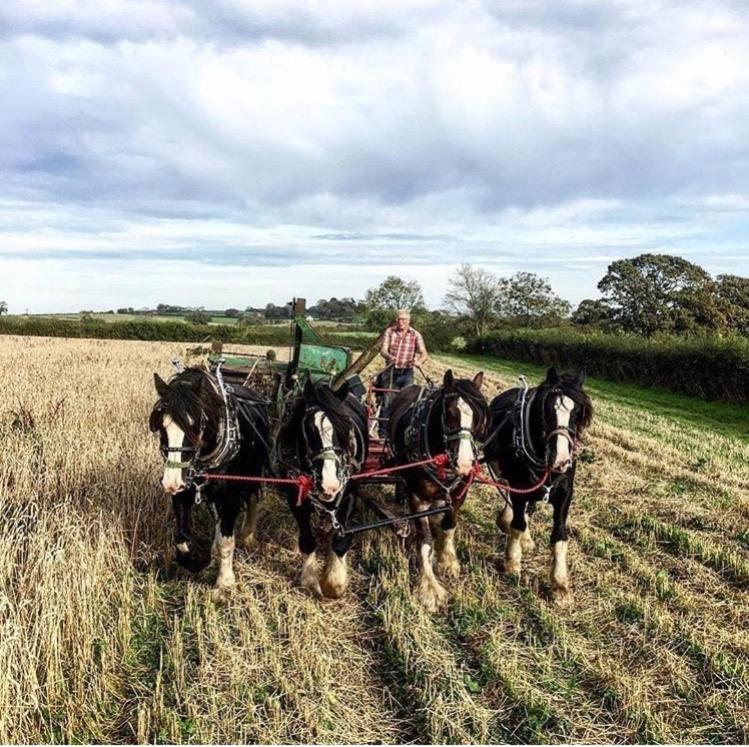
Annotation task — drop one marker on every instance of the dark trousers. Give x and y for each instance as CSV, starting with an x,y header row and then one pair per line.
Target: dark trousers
x,y
393,378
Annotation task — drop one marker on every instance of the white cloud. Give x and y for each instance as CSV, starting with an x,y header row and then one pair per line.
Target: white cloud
x,y
429,131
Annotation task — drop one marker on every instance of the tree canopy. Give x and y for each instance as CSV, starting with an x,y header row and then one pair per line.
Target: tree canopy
x,y
393,293
474,293
661,293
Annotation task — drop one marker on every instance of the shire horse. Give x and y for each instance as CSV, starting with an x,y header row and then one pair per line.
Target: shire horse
x,y
204,427
425,423
324,436
534,433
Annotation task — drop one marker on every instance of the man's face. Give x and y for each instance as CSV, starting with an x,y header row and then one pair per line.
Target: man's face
x,y
401,322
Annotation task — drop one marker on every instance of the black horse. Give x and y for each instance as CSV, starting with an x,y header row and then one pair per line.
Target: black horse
x,y
324,436
534,433
205,428
425,423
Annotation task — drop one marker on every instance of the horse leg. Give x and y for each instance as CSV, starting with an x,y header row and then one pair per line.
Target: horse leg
x,y
447,558
526,541
224,542
429,591
514,547
246,534
334,580
558,577
307,546
188,556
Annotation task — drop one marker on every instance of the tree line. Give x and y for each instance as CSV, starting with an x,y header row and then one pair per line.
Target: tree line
x,y
646,295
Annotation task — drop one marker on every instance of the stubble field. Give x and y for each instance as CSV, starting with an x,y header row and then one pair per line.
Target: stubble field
x,y
101,639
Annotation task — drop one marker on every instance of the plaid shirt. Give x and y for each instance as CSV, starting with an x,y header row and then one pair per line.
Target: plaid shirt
x,y
402,346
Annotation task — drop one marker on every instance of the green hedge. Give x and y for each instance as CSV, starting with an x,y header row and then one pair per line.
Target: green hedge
x,y
707,367
167,331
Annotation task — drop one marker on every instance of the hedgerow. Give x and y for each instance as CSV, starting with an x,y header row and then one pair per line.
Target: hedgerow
x,y
172,331
710,367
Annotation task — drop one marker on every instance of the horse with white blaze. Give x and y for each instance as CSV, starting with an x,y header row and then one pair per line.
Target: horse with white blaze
x,y
209,430
429,422
532,445
324,436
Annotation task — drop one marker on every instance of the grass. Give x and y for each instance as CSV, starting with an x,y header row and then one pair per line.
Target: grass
x,y
103,640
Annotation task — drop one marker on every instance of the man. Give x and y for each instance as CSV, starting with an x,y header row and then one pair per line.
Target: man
x,y
403,348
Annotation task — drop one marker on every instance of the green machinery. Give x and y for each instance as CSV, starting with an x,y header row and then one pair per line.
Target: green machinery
x,y
309,355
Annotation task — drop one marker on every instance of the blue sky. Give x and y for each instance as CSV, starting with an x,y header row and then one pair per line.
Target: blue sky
x,y
234,153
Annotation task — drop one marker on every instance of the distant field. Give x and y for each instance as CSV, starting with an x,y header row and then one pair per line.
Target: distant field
x,y
104,640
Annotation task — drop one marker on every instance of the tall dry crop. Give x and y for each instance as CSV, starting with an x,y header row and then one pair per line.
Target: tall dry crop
x,y
102,639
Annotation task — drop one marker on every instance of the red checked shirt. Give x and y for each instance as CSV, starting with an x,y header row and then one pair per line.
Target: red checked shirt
x,y
402,346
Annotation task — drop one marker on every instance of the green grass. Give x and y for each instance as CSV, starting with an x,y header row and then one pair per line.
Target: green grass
x,y
730,420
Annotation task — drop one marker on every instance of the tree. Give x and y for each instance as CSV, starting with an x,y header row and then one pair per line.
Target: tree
x,y
528,300
3,308
733,292
198,316
233,313
392,294
279,312
661,293
474,293
592,313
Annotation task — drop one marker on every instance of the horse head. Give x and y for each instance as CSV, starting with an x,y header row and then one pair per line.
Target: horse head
x,y
566,411
465,413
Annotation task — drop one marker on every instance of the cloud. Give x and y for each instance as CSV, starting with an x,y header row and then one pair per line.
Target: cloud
x,y
285,132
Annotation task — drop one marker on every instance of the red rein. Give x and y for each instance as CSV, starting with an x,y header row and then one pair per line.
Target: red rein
x,y
304,483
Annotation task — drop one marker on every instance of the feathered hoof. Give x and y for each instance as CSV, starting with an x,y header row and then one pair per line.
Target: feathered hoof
x,y
512,567
527,543
431,595
223,590
332,589
309,579
449,566
562,597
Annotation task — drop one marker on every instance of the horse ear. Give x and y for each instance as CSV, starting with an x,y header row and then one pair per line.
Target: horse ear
x,y
478,380
449,380
582,375
342,391
552,377
309,389
161,386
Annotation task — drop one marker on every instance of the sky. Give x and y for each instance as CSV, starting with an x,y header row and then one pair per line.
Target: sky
x,y
238,152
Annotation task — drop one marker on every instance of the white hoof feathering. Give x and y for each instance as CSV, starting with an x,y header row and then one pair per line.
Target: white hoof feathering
x,y
309,579
431,594
526,541
448,559
559,580
335,577
225,552
513,552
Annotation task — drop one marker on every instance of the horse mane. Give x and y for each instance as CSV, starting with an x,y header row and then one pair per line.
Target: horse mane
x,y
333,408
571,387
186,398
468,391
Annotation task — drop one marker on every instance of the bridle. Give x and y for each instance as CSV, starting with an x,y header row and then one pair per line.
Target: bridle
x,y
521,414
461,433
227,436
416,436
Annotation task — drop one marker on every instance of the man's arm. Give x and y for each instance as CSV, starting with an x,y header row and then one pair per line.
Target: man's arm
x,y
385,347
422,356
